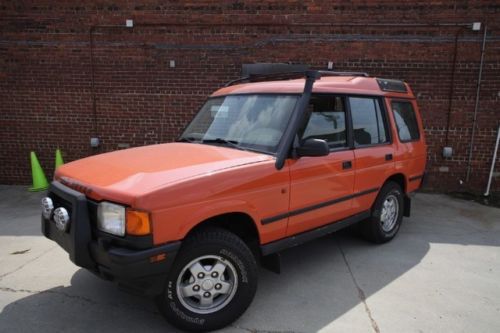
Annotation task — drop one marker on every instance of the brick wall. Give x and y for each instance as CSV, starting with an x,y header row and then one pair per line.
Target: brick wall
x,y
45,70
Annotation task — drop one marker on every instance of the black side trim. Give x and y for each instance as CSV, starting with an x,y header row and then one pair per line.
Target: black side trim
x,y
298,239
316,206
275,218
415,178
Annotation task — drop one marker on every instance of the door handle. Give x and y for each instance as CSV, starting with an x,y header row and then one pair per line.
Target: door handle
x,y
388,157
346,165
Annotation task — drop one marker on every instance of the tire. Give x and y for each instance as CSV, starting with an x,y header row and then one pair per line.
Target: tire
x,y
231,290
383,225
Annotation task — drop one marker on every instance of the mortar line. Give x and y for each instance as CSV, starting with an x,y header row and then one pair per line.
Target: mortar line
x,y
361,293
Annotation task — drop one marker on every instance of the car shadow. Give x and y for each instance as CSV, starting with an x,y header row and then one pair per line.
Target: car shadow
x,y
320,282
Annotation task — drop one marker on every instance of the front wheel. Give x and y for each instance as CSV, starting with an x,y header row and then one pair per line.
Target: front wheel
x,y
212,282
386,215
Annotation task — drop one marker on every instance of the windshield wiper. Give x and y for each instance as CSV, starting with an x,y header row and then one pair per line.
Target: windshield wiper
x,y
231,143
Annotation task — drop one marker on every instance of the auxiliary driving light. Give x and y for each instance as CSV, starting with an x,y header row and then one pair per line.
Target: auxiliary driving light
x,y
47,207
61,217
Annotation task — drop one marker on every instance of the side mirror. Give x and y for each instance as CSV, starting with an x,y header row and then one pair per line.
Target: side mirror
x,y
313,147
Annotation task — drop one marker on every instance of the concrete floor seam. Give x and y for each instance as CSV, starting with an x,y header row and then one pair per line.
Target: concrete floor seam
x,y
440,274
28,262
80,298
361,293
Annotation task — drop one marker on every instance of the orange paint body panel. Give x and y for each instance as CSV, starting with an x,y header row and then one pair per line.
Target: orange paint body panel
x,y
261,168
183,184
316,180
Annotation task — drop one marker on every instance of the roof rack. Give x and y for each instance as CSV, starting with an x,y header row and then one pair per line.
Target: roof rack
x,y
267,77
290,75
334,73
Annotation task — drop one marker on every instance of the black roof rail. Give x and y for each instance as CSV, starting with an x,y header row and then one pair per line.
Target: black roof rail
x,y
290,75
334,73
266,77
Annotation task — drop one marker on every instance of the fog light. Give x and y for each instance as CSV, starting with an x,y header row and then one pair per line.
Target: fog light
x,y
47,207
61,217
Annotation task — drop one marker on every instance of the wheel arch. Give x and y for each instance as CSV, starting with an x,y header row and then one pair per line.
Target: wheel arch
x,y
398,178
401,180
239,223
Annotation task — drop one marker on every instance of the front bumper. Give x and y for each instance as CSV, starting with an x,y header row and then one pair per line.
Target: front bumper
x,y
142,270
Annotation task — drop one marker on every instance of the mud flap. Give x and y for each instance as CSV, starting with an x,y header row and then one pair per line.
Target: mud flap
x,y
272,262
407,206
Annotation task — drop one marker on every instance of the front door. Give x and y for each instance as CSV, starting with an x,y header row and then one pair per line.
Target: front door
x,y
321,187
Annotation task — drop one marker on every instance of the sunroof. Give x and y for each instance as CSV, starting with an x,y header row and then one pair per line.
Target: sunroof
x,y
391,85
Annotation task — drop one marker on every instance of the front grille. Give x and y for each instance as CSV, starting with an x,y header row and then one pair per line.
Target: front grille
x,y
92,206
60,202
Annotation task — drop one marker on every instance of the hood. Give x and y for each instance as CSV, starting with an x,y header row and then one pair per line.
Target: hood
x,y
125,175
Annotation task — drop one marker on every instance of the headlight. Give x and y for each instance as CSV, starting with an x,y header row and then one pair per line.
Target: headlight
x,y
111,218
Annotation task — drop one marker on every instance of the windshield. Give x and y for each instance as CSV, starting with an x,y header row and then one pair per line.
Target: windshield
x,y
254,122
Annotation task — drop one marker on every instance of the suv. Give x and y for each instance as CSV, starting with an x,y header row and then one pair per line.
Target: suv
x,y
265,165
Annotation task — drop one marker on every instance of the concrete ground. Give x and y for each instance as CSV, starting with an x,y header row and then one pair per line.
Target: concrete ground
x,y
440,274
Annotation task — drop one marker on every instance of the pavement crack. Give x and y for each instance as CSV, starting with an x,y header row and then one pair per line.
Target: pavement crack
x,y
361,293
75,297
27,262
20,252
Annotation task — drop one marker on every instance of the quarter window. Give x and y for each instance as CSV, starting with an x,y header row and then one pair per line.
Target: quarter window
x,y
368,121
326,121
406,121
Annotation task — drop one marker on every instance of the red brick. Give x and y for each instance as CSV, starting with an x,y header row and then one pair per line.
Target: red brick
x,y
45,85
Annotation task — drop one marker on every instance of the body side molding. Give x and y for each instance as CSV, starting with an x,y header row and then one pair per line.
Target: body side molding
x,y
298,239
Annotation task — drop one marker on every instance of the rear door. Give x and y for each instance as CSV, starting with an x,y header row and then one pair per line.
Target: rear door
x,y
373,149
321,187
411,152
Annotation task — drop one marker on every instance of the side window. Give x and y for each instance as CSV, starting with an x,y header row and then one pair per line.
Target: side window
x,y
406,121
369,123
326,121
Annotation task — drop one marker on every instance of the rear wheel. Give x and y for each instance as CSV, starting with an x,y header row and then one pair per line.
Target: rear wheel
x,y
212,282
386,215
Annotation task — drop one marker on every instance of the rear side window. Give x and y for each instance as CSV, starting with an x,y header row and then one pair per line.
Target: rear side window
x,y
406,121
368,121
326,121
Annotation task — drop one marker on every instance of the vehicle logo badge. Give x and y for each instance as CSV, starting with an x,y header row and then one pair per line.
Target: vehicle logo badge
x,y
61,217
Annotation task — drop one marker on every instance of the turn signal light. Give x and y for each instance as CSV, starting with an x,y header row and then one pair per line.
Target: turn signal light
x,y
158,257
138,223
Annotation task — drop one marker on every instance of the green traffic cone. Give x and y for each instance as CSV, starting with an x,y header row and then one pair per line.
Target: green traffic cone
x,y
39,181
59,159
